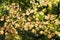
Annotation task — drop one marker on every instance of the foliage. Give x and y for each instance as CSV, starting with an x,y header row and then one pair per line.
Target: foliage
x,y
29,19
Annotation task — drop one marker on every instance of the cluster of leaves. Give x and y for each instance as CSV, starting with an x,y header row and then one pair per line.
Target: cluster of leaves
x,y
29,20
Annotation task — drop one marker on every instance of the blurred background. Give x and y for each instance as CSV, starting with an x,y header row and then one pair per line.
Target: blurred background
x,y
29,19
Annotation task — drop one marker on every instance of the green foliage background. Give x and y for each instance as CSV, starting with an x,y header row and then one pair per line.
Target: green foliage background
x,y
24,5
